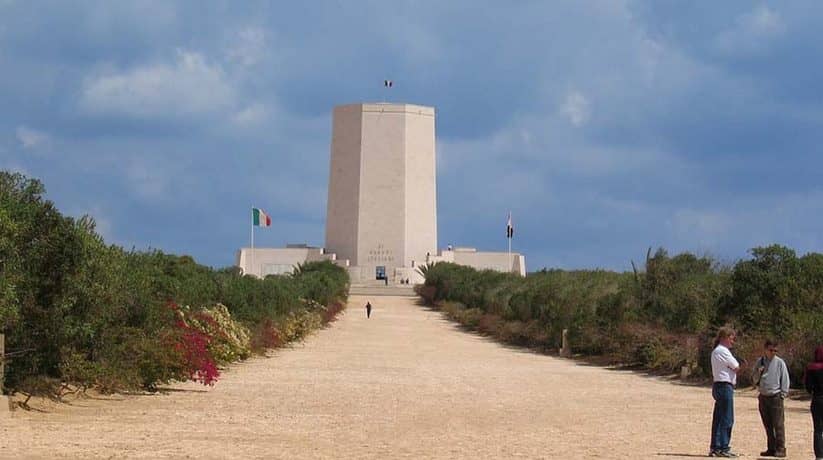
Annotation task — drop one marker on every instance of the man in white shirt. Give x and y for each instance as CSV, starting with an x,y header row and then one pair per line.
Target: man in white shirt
x,y
724,373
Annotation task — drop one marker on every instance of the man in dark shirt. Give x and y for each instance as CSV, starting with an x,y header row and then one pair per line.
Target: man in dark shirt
x,y
814,385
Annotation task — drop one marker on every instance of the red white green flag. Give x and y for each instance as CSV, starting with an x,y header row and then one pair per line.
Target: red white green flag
x,y
260,218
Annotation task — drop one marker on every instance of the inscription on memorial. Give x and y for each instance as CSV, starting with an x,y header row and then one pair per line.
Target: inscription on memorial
x,y
380,254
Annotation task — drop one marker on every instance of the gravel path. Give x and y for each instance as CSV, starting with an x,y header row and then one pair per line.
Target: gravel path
x,y
404,384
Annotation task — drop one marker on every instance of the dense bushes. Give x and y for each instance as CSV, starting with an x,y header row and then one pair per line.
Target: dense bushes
x,y
555,299
661,318
77,311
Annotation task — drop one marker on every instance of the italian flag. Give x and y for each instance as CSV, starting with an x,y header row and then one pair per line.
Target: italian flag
x,y
260,218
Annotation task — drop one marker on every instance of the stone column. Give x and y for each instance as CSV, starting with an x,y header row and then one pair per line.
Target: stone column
x,y
565,349
686,369
685,372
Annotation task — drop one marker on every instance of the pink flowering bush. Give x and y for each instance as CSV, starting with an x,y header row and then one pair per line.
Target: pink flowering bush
x,y
230,340
192,347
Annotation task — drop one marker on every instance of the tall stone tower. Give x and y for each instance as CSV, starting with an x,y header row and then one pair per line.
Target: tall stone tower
x,y
382,207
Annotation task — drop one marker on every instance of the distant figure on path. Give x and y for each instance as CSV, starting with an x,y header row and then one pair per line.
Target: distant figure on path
x,y
814,385
771,376
724,373
368,309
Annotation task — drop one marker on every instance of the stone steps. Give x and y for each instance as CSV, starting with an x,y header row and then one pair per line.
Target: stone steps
x,y
404,290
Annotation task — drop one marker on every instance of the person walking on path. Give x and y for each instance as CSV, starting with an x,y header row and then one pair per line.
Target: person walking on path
x,y
771,376
724,373
368,309
814,385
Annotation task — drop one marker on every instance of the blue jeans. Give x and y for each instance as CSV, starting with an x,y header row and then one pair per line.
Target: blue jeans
x,y
723,416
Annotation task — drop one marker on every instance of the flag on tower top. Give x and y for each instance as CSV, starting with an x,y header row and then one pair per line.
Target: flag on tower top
x,y
509,227
388,83
260,218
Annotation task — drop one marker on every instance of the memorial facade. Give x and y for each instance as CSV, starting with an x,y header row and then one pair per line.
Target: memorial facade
x,y
382,205
381,219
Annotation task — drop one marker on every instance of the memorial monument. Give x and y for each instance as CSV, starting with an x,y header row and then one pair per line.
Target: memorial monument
x,y
381,219
382,206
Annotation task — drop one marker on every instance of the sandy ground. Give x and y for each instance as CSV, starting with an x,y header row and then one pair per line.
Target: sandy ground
x,y
404,384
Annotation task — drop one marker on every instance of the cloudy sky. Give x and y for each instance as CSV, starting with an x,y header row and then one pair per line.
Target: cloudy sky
x,y
606,127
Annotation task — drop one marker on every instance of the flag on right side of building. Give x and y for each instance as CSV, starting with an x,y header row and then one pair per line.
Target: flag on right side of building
x,y
509,227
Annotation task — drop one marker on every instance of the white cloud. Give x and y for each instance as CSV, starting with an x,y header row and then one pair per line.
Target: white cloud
x,y
551,148
31,138
576,108
752,33
188,87
249,47
251,115
763,21
650,57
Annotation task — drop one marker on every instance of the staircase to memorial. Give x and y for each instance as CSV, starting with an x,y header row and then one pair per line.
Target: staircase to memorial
x,y
379,288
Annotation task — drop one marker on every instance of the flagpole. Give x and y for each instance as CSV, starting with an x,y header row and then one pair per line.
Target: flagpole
x,y
509,234
251,268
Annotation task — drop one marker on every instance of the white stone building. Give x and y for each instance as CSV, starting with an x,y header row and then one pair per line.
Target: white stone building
x,y
381,220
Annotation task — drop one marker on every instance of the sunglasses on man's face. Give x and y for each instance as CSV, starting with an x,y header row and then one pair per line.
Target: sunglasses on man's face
x,y
773,350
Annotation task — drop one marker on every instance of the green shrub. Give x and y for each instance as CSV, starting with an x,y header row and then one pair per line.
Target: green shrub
x,y
299,324
90,314
470,317
452,309
514,332
661,318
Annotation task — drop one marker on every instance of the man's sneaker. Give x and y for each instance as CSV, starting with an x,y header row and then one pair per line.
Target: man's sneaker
x,y
767,453
723,453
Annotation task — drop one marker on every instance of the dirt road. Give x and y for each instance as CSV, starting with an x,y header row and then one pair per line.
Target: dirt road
x,y
403,384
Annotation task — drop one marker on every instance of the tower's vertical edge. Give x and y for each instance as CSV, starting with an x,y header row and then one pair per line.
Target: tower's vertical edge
x,y
420,184
342,210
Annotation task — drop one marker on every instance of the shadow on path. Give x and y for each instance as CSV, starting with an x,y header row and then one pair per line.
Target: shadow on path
x,y
672,454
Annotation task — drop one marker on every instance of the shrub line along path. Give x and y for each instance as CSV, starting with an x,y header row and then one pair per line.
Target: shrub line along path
x,y
404,384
